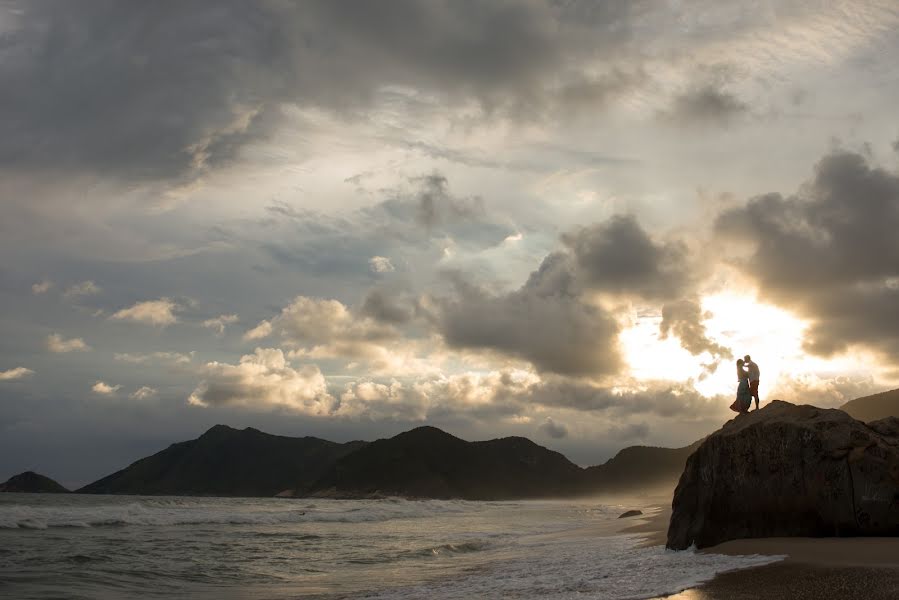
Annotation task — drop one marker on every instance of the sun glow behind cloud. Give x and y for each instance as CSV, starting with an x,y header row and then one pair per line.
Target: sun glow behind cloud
x,y
771,335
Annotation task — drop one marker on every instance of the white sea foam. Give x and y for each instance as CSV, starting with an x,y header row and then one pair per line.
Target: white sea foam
x,y
569,568
180,511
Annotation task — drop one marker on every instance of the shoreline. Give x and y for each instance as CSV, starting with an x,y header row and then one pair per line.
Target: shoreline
x,y
819,568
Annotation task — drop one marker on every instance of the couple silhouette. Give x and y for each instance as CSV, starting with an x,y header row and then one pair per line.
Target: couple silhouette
x,y
747,386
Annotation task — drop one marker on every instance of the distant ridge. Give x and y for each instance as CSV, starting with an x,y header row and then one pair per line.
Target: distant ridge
x,y
428,462
424,462
32,483
640,467
875,407
227,462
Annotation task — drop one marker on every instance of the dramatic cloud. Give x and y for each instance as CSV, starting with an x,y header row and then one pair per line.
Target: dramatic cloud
x,y
220,322
263,380
542,322
56,343
684,319
150,312
222,71
85,288
104,389
552,320
325,328
618,256
553,429
830,252
16,373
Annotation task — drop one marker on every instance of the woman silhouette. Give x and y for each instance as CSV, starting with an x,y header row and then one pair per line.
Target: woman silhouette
x,y
744,394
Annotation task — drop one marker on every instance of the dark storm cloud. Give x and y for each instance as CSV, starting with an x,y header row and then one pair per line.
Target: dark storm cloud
x,y
541,322
136,90
619,256
830,251
551,320
161,90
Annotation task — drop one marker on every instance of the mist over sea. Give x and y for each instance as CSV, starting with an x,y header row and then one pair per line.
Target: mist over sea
x,y
100,547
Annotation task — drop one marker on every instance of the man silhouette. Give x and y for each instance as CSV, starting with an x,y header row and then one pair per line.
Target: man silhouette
x,y
753,370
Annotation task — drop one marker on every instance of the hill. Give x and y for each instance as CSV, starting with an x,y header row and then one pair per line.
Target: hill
x,y
640,468
227,462
423,462
873,408
428,462
32,483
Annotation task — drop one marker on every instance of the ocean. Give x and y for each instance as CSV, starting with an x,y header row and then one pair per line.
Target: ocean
x,y
105,547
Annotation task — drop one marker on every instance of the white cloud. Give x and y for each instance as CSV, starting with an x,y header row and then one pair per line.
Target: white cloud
x,y
264,380
262,330
220,322
56,343
42,287
169,357
496,392
380,264
327,328
143,392
151,312
17,373
85,288
105,389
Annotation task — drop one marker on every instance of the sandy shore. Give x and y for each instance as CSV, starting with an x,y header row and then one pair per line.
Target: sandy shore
x,y
815,568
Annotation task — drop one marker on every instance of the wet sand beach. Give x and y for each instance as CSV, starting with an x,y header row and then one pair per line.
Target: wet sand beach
x,y
815,568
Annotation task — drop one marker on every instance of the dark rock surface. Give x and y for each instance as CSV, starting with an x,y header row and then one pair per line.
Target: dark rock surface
x,y
789,470
630,513
30,482
227,462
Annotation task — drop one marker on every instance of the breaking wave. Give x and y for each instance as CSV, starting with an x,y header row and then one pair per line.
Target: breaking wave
x,y
181,511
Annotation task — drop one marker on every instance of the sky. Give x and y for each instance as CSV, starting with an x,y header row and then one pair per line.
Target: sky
x,y
562,220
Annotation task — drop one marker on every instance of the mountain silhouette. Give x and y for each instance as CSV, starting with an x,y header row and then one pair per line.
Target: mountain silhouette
x,y
227,462
875,407
425,462
32,483
428,462
640,468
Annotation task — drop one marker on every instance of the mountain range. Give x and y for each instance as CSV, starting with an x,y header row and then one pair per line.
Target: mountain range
x,y
422,462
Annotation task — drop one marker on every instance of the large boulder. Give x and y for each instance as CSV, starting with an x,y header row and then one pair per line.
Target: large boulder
x,y
788,470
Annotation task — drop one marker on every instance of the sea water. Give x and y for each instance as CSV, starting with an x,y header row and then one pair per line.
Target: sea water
x,y
99,547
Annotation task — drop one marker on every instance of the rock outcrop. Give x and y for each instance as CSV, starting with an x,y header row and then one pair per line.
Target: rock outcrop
x,y
30,482
789,470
